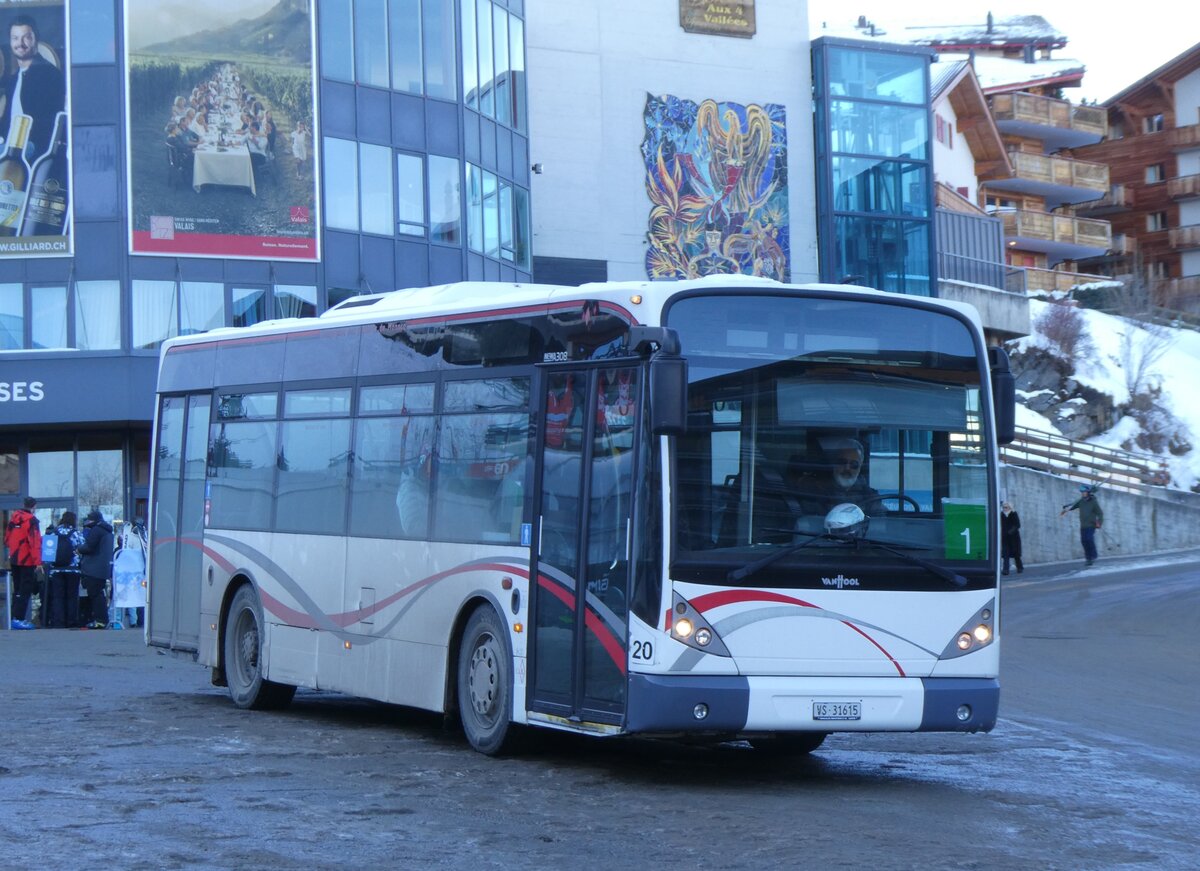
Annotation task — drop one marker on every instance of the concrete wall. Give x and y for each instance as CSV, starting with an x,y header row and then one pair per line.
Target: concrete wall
x,y
1133,523
1000,312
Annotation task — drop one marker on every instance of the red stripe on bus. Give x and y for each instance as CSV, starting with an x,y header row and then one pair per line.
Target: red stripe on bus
x,y
710,601
591,620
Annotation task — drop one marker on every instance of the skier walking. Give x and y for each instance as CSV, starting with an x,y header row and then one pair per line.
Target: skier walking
x,y
1090,519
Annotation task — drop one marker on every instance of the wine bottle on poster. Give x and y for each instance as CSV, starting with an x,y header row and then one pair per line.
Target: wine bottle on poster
x,y
14,176
49,192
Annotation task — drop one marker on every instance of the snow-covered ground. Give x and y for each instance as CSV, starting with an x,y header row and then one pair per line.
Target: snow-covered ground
x,y
1108,368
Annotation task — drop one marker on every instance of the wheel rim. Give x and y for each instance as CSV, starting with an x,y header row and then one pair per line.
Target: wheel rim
x,y
246,646
483,679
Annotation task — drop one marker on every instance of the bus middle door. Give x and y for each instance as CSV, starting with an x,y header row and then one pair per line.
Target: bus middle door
x,y
578,659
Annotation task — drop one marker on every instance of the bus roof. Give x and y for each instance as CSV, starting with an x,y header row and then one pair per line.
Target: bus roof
x,y
644,299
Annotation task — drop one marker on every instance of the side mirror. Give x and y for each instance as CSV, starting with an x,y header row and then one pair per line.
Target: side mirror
x,y
668,395
668,378
1004,396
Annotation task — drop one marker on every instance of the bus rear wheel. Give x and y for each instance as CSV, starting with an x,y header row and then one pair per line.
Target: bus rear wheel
x,y
243,657
789,744
485,684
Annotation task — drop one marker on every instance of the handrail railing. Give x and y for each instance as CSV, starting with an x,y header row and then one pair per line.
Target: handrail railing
x,y
1080,461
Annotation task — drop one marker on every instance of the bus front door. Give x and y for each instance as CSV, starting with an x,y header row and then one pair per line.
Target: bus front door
x,y
580,590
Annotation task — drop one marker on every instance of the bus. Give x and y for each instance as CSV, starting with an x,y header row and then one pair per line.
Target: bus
x,y
596,509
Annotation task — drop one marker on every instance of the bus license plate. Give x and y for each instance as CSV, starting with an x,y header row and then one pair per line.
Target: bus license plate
x,y
837,710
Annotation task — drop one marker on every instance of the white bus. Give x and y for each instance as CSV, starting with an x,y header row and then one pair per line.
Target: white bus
x,y
609,509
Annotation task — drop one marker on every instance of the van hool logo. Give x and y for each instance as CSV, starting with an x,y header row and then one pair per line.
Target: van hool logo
x,y
840,581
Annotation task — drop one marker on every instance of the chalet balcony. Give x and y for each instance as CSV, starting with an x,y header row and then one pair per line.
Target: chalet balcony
x,y
1184,138
1029,279
1184,187
1060,180
1057,123
1059,237
1124,245
1184,237
1120,198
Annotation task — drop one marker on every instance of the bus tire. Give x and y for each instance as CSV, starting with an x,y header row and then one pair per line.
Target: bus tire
x,y
243,656
485,684
789,744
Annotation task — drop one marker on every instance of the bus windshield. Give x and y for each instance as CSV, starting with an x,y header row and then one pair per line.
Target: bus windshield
x,y
801,406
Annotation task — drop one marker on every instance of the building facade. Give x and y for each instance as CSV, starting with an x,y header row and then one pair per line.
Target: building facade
x,y
332,149
1153,147
671,139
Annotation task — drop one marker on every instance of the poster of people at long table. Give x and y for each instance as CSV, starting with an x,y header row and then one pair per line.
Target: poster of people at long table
x,y
35,157
221,103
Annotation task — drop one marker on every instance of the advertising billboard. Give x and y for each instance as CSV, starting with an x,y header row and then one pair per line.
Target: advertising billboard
x,y
35,158
221,102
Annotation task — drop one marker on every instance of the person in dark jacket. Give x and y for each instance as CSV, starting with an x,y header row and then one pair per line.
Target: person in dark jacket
x,y
1010,537
95,566
62,578
1090,519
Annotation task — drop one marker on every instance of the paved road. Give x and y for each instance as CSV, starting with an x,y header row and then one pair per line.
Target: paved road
x,y
119,755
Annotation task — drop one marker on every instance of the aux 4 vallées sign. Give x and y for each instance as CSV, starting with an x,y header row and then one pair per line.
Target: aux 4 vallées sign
x,y
717,17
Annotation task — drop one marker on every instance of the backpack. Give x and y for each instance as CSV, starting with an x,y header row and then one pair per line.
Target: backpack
x,y
64,553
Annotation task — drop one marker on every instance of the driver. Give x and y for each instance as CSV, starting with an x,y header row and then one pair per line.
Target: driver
x,y
842,481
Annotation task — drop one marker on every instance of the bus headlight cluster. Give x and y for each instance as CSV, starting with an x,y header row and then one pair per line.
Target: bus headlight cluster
x,y
689,627
976,633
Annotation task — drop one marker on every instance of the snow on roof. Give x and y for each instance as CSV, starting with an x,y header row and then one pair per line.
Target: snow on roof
x,y
1003,73
1017,30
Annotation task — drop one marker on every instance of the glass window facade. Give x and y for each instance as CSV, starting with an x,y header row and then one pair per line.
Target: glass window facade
x,y
400,87
874,184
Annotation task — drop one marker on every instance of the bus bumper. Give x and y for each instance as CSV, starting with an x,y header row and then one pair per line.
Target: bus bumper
x,y
735,704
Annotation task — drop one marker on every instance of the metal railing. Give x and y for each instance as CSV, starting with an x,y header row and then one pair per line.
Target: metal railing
x,y
1086,463
972,270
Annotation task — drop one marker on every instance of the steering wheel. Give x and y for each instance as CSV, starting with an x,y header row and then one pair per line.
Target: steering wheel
x,y
900,498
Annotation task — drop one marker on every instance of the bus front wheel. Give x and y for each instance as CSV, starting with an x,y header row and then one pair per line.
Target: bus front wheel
x,y
485,684
243,656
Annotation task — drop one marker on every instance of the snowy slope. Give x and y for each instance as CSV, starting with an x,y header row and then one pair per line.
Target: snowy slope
x,y
1176,371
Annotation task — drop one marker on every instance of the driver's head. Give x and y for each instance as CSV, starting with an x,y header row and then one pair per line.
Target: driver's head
x,y
847,462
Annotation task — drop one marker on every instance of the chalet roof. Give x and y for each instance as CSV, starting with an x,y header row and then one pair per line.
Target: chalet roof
x,y
956,82
1004,74
1015,31
1172,71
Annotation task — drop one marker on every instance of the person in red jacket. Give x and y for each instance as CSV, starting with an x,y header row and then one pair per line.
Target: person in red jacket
x,y
23,539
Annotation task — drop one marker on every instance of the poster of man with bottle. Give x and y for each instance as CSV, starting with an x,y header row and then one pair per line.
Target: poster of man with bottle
x,y
35,157
221,104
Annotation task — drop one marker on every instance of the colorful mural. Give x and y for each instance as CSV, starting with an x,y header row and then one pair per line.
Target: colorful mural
x,y
716,174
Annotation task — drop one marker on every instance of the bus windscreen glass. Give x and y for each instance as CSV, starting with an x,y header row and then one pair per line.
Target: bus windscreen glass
x,y
798,405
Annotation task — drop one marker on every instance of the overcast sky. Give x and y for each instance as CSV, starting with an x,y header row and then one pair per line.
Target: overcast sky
x,y
1119,44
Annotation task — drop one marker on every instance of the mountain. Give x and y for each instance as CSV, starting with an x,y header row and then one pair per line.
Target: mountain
x,y
284,32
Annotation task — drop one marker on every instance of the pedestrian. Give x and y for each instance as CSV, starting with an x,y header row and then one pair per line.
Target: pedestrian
x,y
62,584
23,540
95,566
1090,519
1010,537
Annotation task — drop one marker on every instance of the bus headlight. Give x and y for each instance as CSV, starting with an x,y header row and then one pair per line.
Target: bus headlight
x,y
688,626
976,633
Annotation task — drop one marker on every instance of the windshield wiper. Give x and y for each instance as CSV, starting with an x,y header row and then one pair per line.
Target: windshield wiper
x,y
752,568
941,571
